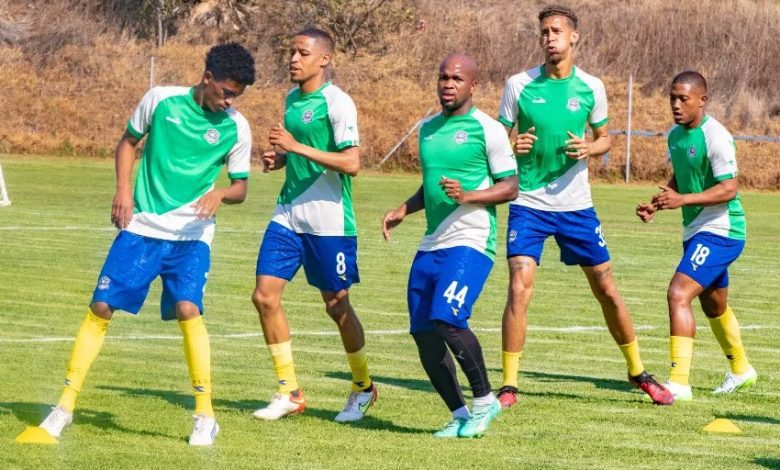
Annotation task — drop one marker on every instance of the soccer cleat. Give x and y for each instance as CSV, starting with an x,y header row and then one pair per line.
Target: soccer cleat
x,y
281,405
205,430
507,396
681,392
734,383
56,421
357,405
657,392
480,419
451,429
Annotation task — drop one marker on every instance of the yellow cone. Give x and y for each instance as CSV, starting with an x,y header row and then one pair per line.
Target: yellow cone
x,y
722,425
35,435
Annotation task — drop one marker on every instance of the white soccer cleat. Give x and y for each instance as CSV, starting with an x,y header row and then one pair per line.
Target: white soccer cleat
x,y
281,405
357,405
681,392
734,383
205,431
56,421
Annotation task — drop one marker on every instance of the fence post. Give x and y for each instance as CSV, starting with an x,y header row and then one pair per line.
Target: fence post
x,y
151,72
403,139
628,126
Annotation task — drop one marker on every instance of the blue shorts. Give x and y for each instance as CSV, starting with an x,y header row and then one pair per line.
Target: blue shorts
x,y
330,262
134,261
444,284
578,234
706,259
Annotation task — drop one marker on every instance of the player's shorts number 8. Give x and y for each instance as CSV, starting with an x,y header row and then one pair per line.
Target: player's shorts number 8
x,y
341,263
700,254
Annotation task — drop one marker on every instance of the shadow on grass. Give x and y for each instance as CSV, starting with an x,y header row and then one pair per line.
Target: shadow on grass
x,y
34,413
187,401
768,462
598,382
420,385
752,418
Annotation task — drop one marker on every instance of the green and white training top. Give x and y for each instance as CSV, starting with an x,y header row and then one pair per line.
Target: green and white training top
x,y
702,157
314,199
473,149
184,153
549,180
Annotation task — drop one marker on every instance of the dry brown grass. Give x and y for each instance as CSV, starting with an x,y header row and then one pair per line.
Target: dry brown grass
x,y
77,101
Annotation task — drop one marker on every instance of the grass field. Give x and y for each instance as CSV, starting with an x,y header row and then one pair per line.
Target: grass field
x,y
577,410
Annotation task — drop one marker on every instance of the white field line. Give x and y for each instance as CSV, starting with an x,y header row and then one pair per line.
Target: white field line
x,y
334,332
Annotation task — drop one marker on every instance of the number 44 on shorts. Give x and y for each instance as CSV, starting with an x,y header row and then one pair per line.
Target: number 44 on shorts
x,y
450,294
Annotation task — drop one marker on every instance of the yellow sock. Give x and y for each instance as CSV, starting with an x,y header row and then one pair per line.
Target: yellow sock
x,y
510,362
631,353
358,363
197,352
281,355
726,330
89,341
681,353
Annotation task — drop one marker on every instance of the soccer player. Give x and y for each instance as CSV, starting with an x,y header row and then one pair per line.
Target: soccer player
x,y
167,223
704,185
550,105
314,223
467,168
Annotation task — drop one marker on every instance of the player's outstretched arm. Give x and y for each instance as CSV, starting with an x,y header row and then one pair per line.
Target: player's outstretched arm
x,y
504,190
208,204
122,206
394,217
346,161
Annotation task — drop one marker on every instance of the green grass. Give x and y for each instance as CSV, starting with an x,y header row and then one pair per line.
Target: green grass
x,y
577,410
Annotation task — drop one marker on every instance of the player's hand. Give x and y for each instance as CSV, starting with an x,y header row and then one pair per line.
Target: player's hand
x,y
207,205
392,219
668,198
281,138
524,142
273,160
576,147
646,211
453,190
122,209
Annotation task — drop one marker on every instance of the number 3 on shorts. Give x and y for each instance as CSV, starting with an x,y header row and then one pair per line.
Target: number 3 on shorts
x,y
450,294
600,232
341,263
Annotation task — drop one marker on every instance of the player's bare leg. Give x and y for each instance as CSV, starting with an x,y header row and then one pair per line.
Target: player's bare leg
x,y
522,273
363,393
289,399
621,327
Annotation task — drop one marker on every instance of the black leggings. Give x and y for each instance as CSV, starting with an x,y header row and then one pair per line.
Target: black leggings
x,y
438,363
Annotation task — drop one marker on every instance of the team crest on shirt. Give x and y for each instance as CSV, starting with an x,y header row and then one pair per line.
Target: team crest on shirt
x,y
461,137
692,151
307,116
104,282
211,136
573,104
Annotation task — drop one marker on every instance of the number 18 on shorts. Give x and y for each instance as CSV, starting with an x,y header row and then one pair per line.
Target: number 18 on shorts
x,y
707,257
444,285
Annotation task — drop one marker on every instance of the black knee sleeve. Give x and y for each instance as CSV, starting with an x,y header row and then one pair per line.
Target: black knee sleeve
x,y
465,346
438,364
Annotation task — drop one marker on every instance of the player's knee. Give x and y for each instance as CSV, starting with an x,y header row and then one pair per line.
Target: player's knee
x,y
186,311
676,295
265,303
337,309
102,310
608,293
520,292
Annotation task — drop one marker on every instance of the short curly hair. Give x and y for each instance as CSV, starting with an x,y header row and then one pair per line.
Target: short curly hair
x,y
559,10
692,78
231,60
